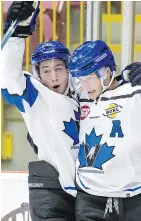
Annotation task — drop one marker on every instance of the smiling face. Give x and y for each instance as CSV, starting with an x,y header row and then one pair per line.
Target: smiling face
x,y
54,75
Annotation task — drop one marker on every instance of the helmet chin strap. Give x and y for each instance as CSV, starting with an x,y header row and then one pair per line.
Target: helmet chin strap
x,y
102,81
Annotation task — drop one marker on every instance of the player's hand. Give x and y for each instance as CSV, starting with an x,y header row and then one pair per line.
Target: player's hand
x,y
20,10
26,12
134,73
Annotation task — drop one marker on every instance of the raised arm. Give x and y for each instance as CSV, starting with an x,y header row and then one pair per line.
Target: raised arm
x,y
15,86
12,77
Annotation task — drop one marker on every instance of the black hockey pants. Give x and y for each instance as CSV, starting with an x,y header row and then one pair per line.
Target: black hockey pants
x,y
47,200
93,208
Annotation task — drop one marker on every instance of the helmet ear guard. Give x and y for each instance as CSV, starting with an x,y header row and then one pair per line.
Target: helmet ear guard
x,y
104,87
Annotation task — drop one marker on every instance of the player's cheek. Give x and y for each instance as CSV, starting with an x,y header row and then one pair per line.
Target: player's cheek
x,y
91,85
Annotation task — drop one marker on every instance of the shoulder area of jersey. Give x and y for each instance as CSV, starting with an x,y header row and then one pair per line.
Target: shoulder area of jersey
x,y
123,89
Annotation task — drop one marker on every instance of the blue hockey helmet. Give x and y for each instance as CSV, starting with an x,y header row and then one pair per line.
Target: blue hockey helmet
x,y
49,50
90,57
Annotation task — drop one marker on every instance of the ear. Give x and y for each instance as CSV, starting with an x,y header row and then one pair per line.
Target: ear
x,y
108,72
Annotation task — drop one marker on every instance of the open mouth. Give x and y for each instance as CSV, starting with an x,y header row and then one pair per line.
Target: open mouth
x,y
89,92
56,87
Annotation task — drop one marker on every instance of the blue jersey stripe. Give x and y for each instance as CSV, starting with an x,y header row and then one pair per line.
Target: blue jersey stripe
x,y
30,94
87,188
70,188
133,189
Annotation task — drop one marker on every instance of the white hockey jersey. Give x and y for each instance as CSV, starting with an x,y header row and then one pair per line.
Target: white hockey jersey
x,y
52,119
109,161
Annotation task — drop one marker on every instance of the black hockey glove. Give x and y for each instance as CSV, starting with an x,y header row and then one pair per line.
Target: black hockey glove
x,y
26,12
134,73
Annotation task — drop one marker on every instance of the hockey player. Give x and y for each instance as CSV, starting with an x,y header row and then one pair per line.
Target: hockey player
x,y
51,112
109,160
53,127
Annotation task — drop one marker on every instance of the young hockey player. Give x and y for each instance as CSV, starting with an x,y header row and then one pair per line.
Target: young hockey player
x,y
51,112
51,119
109,160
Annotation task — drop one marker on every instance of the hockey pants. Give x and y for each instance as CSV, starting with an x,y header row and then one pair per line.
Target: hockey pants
x,y
47,200
92,208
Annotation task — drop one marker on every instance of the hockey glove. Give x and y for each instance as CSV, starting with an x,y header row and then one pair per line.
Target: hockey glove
x,y
26,12
132,73
135,73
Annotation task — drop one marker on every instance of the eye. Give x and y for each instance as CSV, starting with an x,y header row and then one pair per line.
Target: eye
x,y
46,71
90,78
59,69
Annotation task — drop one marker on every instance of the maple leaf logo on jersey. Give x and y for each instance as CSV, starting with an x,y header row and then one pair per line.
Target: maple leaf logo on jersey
x,y
92,153
72,128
